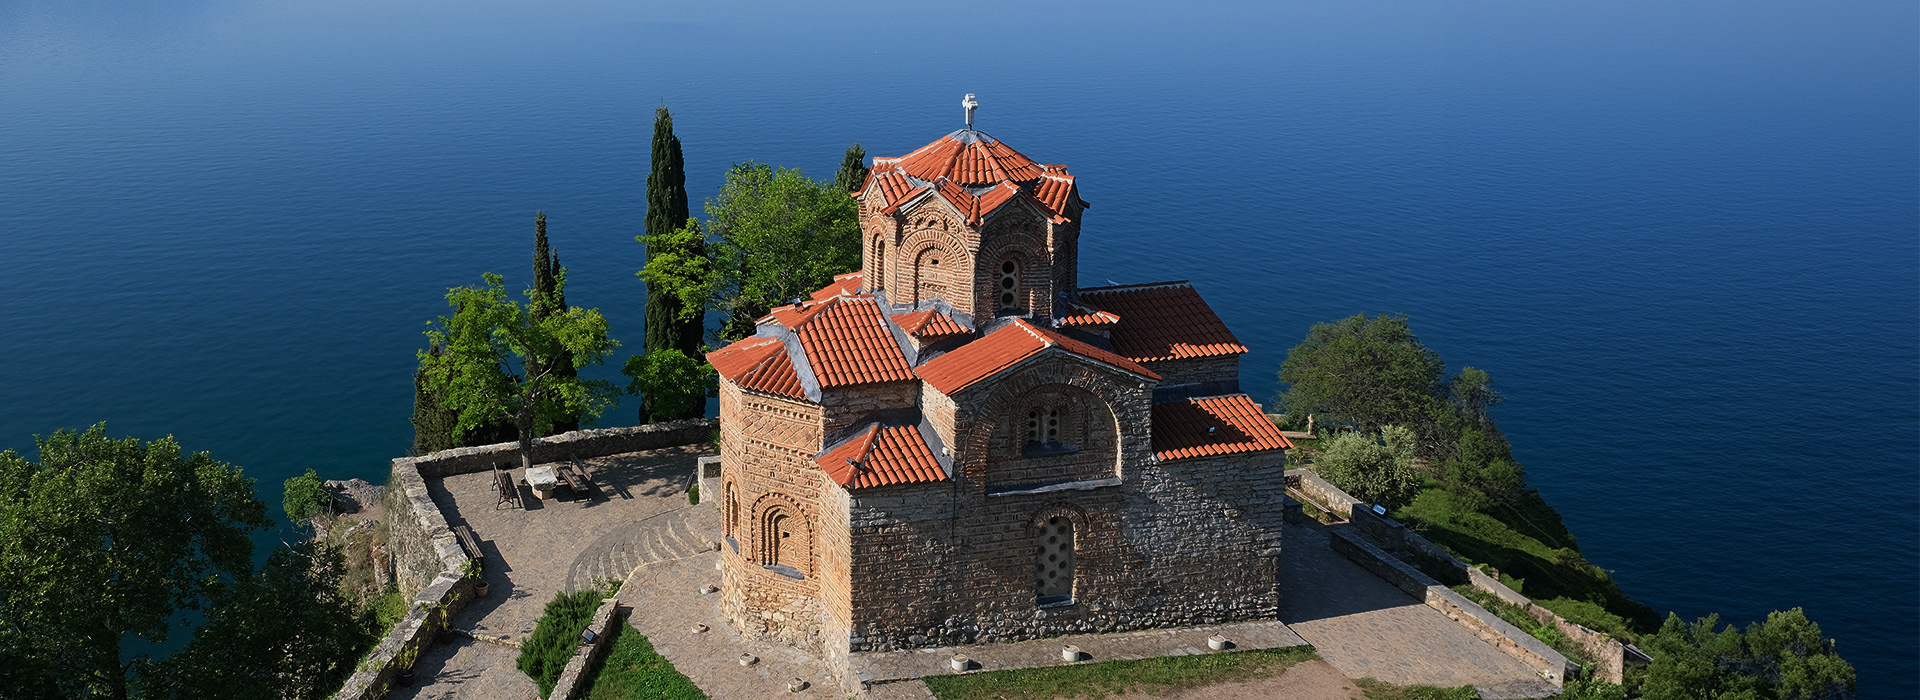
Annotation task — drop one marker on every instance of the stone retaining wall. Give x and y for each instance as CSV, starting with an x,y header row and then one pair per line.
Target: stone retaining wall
x,y
573,677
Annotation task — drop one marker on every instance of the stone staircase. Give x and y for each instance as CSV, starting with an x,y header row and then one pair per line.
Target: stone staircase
x,y
681,533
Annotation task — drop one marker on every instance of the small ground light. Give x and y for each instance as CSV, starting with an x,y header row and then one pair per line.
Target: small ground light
x,y
749,659
1070,652
1217,642
796,684
959,662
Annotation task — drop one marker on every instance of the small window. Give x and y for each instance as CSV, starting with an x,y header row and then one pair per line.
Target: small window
x,y
1043,425
1053,565
1009,284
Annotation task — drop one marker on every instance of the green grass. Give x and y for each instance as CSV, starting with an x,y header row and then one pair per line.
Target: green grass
x,y
1546,633
632,669
1527,542
1099,680
1382,690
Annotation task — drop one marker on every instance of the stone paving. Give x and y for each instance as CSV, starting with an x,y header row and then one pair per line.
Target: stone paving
x,y
1365,627
636,515
667,602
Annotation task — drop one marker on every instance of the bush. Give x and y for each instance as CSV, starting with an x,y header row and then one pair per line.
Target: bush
x,y
693,494
1361,466
545,653
1591,616
305,497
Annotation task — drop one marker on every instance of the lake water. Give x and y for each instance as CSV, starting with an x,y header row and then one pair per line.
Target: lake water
x,y
1680,236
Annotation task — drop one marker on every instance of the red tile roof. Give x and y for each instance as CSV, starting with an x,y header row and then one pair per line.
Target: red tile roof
x,y
880,456
930,324
846,340
760,364
970,159
1084,316
843,285
1238,425
1006,347
1163,321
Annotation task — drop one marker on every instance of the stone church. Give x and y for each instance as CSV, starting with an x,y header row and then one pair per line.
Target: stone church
x,y
961,444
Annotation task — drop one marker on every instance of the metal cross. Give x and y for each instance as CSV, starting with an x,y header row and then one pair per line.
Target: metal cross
x,y
970,104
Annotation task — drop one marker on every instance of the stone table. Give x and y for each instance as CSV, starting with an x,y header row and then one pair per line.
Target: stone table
x,y
543,480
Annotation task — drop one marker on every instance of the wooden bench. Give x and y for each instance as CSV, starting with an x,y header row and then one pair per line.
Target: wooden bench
x,y
574,481
508,492
580,468
465,535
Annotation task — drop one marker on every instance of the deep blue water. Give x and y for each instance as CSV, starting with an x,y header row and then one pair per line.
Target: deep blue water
x,y
1681,236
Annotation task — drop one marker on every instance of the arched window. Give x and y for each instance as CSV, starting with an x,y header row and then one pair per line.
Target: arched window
x,y
1043,425
1053,565
1009,285
781,532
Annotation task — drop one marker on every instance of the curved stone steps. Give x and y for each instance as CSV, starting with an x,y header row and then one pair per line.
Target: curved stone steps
x,y
637,544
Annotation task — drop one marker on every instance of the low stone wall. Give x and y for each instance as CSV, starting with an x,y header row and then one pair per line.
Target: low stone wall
x,y
574,676
1550,664
1607,654
1330,499
598,442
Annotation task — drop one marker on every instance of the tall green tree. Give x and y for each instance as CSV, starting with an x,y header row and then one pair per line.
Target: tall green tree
x,y
668,382
490,361
670,324
853,169
286,632
105,541
777,235
1369,371
550,297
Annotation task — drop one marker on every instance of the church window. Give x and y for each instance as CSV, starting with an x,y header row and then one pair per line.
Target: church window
x,y
1009,285
1043,425
1053,578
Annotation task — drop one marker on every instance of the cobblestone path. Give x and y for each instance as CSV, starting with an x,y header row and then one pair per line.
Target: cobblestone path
x,y
617,553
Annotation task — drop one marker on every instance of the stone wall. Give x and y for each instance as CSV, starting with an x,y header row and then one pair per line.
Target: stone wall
x,y
573,677
597,442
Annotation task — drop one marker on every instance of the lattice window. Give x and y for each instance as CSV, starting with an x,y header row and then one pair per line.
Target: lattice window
x,y
1009,285
1043,425
1053,566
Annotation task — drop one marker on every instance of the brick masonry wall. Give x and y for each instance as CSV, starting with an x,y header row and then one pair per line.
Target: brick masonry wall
x,y
1171,543
845,407
767,447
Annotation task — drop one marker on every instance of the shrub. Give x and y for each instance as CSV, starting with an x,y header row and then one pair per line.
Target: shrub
x,y
693,494
545,653
306,496
1361,466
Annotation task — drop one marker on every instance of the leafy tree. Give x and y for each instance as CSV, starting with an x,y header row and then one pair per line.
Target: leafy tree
x,y
550,297
853,169
1482,474
778,236
1359,465
491,361
286,632
669,382
1472,394
1368,371
105,540
436,427
305,495
1784,658
671,321
677,267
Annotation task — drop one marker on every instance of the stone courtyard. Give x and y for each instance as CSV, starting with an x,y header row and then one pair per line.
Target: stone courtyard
x,y
637,514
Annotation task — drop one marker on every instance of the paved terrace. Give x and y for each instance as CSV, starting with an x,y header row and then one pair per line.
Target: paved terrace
x,y
636,515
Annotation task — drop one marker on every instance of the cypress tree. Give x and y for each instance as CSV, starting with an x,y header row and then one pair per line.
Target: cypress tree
x,y
853,169
432,424
666,212
550,297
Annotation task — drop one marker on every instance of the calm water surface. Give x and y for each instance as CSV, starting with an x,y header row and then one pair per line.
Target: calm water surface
x,y
1682,239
